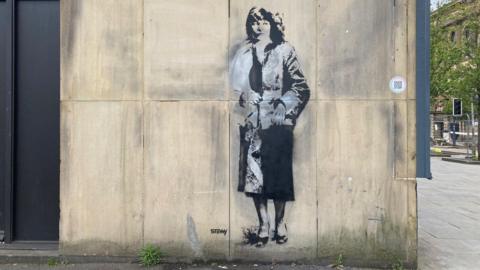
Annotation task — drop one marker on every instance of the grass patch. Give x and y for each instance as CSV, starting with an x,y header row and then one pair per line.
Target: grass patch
x,y
52,262
397,265
338,264
150,255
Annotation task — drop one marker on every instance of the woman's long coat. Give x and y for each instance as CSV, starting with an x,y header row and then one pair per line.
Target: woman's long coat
x,y
282,82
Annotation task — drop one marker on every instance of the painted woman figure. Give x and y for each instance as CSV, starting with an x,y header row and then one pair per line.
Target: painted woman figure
x,y
265,72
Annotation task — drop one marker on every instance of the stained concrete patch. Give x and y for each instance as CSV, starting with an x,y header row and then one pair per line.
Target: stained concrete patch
x,y
193,238
101,50
101,178
360,202
348,66
186,178
186,48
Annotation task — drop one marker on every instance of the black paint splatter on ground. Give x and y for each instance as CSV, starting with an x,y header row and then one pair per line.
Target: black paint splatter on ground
x,y
250,235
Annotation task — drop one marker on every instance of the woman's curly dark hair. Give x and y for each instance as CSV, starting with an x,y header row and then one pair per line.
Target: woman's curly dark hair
x,y
276,24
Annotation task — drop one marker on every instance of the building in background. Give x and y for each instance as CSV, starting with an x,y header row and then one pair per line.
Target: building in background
x,y
454,17
455,58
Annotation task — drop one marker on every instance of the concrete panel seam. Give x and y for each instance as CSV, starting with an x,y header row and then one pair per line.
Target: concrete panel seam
x,y
143,123
227,100
317,6
229,179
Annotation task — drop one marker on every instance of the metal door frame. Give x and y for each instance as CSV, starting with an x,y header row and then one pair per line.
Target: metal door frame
x,y
9,121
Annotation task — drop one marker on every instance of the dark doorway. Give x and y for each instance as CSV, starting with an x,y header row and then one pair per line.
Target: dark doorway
x,y
3,85
34,181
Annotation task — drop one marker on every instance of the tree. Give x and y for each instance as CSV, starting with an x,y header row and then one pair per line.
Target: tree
x,y
444,57
467,84
438,3
455,66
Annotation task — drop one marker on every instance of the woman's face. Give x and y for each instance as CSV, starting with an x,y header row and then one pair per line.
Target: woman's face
x,y
261,27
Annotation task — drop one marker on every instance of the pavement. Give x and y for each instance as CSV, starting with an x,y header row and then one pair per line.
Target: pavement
x,y
129,266
449,217
448,228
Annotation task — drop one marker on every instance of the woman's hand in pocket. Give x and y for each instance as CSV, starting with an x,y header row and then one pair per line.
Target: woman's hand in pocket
x,y
254,98
279,114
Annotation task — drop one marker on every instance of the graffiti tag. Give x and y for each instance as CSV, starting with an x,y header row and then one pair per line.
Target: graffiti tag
x,y
218,231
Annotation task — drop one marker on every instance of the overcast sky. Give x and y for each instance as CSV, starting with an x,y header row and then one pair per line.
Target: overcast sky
x,y
433,3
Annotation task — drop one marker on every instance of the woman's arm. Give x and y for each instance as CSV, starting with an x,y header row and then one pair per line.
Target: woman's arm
x,y
238,77
296,91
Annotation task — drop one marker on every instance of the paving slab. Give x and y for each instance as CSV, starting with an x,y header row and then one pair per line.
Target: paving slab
x,y
449,216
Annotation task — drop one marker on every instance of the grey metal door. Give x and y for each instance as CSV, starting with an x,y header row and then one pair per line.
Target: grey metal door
x,y
31,181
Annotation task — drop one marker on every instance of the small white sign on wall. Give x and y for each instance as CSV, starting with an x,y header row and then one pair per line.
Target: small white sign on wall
x,y
398,84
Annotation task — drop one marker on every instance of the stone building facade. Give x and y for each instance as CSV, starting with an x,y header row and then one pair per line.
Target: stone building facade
x,y
453,16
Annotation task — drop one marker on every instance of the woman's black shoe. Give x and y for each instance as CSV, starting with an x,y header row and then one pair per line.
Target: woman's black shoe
x,y
281,239
262,241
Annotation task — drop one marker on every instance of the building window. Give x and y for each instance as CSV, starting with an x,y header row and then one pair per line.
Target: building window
x,y
466,34
453,36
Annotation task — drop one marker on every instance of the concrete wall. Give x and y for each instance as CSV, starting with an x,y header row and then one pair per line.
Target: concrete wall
x,y
150,143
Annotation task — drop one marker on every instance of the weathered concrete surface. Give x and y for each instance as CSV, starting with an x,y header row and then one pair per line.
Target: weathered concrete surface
x,y
101,49
300,215
365,138
411,49
360,202
361,45
404,118
354,154
186,48
101,178
299,30
448,217
186,178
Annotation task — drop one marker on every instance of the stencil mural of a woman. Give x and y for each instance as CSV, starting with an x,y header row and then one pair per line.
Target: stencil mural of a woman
x,y
272,89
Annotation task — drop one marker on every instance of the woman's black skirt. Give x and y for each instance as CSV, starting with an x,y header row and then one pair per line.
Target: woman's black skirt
x,y
276,156
276,163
